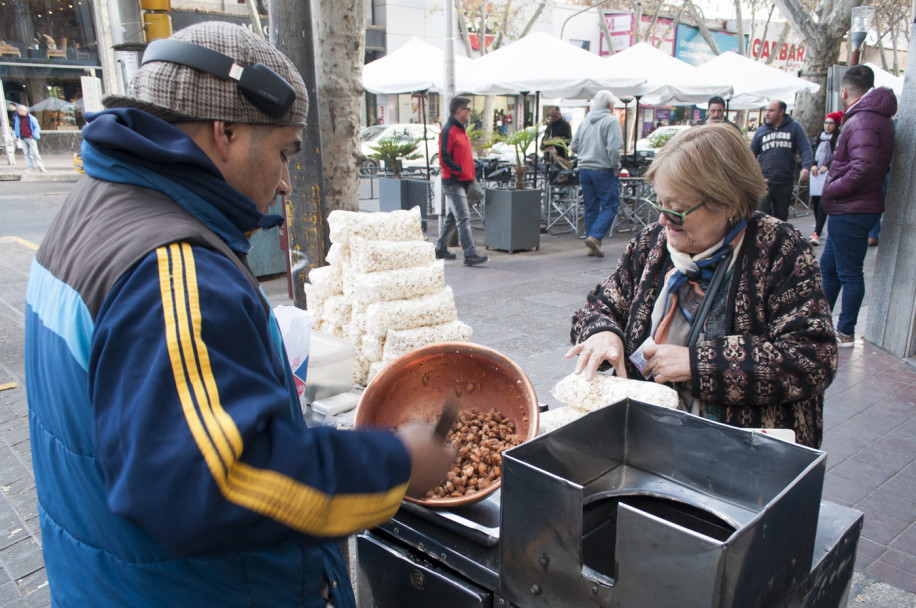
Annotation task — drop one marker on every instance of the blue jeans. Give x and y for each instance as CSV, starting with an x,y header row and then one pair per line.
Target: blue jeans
x,y
458,214
842,263
601,192
30,151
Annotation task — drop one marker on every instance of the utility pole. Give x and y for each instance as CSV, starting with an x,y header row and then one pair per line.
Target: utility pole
x,y
449,52
291,32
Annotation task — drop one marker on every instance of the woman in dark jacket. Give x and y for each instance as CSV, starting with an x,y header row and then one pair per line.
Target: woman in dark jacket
x,y
823,146
759,350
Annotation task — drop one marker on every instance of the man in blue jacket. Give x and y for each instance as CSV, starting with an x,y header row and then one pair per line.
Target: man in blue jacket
x,y
172,463
776,144
27,130
854,191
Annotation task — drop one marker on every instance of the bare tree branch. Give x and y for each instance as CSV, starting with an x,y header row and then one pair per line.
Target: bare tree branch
x,y
739,20
766,30
482,30
701,24
534,17
463,28
774,50
637,20
606,32
672,25
502,25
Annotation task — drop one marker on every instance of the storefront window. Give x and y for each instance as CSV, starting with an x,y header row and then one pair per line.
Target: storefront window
x,y
45,47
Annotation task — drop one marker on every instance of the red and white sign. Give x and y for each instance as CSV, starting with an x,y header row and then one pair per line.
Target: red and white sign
x,y
789,57
621,28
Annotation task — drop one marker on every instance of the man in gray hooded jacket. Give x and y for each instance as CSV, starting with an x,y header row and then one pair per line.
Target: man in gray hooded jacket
x,y
597,144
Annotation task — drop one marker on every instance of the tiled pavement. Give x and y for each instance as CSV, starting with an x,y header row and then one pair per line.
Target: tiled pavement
x,y
520,304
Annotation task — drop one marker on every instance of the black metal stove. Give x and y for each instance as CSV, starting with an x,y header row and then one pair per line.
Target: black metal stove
x,y
633,505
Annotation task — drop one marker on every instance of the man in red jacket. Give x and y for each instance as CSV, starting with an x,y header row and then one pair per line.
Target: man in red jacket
x,y
457,161
853,196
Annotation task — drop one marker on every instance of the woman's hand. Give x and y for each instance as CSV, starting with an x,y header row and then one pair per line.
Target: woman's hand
x,y
667,363
813,170
601,347
824,169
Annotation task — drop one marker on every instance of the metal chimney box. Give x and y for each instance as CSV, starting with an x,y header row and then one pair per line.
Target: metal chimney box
x,y
639,505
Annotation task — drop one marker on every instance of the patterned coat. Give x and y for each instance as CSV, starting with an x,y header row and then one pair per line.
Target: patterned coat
x,y
779,356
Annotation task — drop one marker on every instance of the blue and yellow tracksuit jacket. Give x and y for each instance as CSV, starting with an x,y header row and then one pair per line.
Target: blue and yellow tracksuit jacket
x,y
172,464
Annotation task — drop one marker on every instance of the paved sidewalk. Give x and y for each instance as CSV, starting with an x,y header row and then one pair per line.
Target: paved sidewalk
x,y
520,305
59,168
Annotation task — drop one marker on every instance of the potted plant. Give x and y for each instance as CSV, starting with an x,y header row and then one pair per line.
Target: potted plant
x,y
394,192
514,215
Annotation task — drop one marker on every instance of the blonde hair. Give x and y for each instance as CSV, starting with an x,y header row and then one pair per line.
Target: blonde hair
x,y
712,163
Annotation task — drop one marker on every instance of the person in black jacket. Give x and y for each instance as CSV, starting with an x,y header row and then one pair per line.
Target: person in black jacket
x,y
715,112
557,126
776,144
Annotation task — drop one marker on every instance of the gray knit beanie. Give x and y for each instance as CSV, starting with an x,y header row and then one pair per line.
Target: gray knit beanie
x,y
176,92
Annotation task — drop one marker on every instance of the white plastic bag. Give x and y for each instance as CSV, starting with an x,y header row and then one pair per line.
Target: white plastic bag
x,y
295,327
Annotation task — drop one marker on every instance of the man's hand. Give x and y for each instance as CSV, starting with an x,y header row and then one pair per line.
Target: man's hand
x,y
430,459
803,175
603,346
667,363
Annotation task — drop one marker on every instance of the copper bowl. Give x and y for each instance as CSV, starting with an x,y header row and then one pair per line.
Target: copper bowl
x,y
415,385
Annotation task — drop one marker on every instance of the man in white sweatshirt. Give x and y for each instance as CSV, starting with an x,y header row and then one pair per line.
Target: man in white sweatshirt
x,y
597,144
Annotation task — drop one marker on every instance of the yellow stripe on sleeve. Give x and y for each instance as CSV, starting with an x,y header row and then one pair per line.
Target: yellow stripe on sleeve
x,y
268,492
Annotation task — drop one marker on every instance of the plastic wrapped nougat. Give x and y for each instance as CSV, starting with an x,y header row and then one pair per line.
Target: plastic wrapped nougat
x,y
400,284
434,309
402,341
390,226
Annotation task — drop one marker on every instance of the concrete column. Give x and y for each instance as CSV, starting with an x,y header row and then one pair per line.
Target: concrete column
x,y
892,308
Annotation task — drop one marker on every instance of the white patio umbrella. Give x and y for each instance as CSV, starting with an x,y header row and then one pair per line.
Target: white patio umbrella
x,y
754,82
541,63
883,78
51,103
669,81
416,66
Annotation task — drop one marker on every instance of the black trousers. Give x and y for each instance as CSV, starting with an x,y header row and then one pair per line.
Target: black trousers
x,y
776,202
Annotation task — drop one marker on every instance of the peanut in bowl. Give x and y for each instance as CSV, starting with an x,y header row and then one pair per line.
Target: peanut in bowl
x,y
498,406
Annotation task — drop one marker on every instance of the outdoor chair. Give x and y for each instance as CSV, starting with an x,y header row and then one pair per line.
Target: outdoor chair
x,y
61,51
9,49
564,200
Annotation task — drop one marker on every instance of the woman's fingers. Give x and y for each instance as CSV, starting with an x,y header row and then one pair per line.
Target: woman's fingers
x,y
601,347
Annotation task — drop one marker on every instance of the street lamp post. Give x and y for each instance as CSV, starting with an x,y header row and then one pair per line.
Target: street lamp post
x,y
861,23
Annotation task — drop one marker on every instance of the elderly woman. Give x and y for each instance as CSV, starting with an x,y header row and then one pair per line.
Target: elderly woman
x,y
721,302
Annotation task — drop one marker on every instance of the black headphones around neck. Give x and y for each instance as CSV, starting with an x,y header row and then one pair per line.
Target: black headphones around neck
x,y
264,88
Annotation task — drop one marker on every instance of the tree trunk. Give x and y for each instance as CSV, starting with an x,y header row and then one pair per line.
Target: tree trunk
x,y
463,30
534,17
340,34
775,48
255,18
822,40
503,24
637,20
672,25
291,32
763,37
704,31
739,21
482,29
604,29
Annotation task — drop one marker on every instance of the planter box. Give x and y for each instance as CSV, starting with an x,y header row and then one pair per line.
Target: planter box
x,y
513,219
394,194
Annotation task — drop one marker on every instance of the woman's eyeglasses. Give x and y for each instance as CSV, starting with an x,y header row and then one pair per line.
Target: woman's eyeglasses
x,y
675,217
